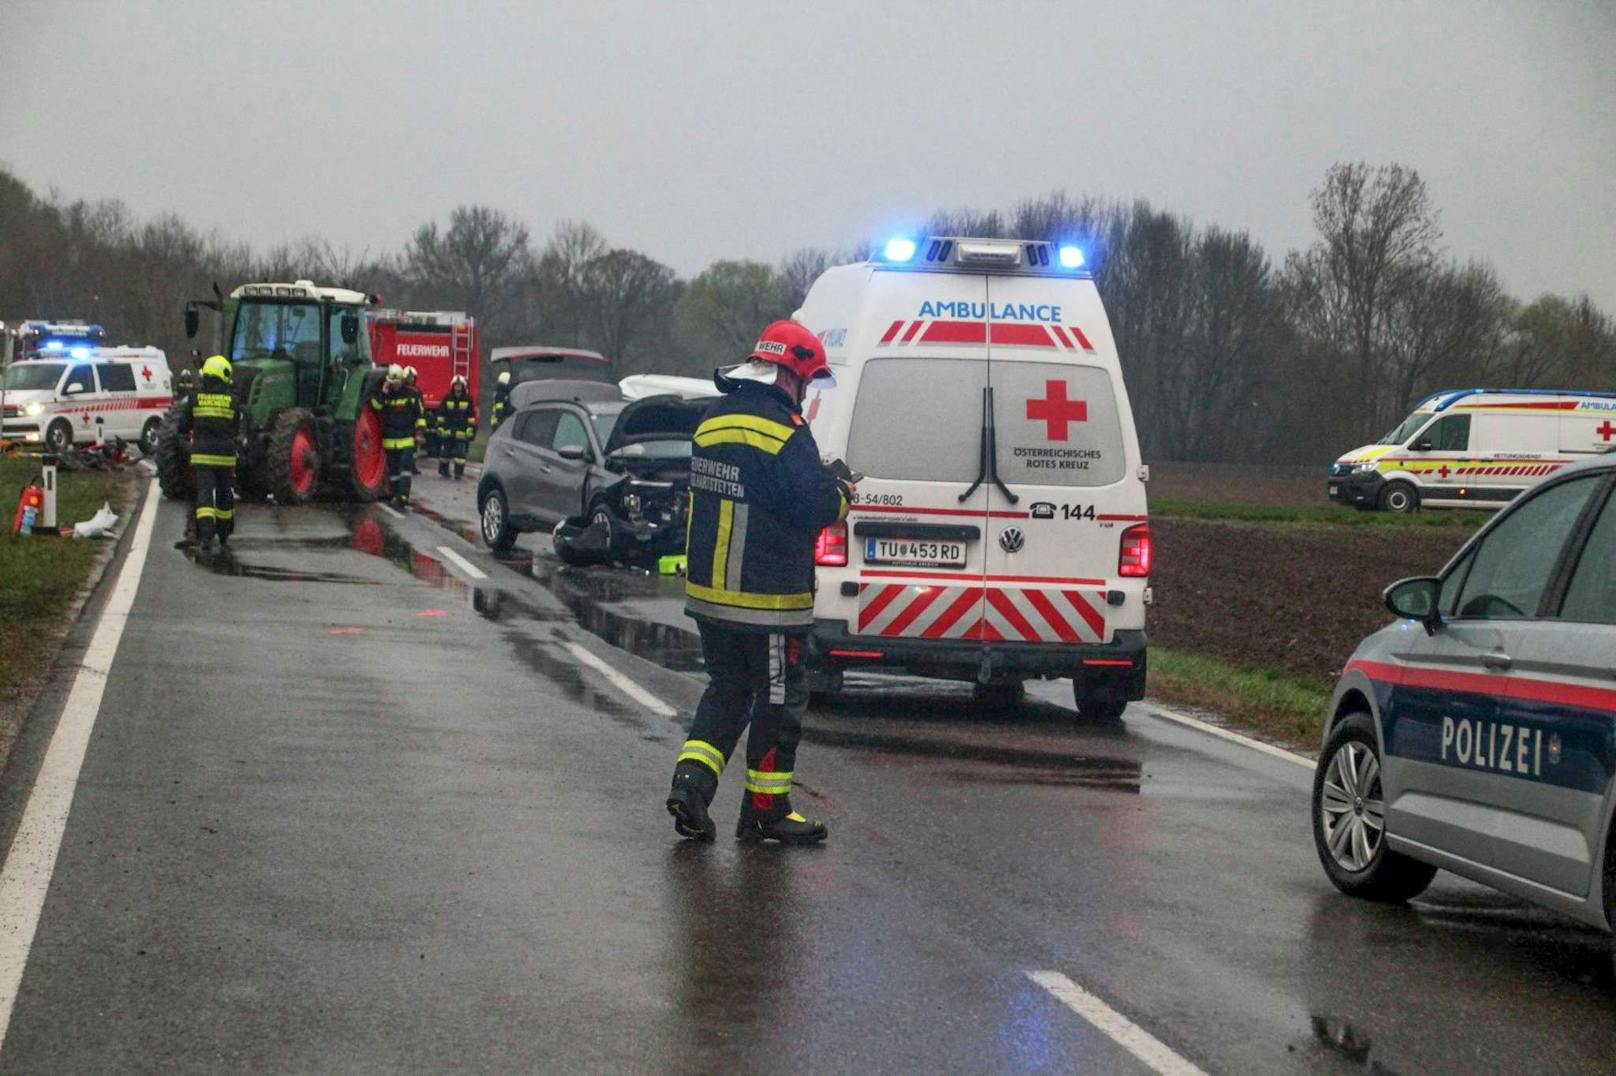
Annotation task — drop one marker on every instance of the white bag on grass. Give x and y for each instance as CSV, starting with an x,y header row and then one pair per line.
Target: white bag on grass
x,y
97,525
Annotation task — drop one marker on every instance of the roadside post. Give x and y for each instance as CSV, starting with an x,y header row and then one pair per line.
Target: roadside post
x,y
5,364
47,483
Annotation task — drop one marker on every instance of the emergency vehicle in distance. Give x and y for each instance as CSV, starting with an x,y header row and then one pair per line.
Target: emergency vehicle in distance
x,y
440,344
56,338
999,532
66,396
1474,448
539,362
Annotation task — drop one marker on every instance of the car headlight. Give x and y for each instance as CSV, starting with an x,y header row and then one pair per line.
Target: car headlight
x,y
1363,468
34,409
631,503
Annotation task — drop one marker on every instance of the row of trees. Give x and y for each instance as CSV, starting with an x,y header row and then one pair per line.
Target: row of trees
x,y
1228,355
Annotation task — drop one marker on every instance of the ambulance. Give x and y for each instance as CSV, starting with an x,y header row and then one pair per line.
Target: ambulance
x,y
1475,448
999,532
87,392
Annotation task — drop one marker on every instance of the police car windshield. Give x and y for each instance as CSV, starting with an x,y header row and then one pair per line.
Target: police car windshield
x,y
1410,426
33,375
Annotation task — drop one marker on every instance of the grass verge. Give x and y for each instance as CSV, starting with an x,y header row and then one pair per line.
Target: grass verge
x,y
40,576
1275,704
1323,514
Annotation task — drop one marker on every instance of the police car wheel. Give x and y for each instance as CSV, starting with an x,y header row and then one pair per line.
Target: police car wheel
x,y
148,436
59,436
1349,819
1399,497
494,517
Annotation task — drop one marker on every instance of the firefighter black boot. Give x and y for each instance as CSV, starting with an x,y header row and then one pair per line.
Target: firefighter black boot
x,y
443,468
692,792
777,823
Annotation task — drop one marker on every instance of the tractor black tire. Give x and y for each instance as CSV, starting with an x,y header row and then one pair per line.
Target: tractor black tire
x,y
293,480
173,457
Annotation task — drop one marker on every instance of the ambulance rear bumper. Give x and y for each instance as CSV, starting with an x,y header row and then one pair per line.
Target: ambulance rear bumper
x,y
1119,664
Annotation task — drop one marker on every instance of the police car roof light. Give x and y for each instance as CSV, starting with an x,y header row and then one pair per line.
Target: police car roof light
x,y
79,352
898,249
53,345
1071,257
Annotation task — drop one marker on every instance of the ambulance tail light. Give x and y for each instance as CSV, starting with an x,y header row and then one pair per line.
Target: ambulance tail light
x,y
830,548
1134,558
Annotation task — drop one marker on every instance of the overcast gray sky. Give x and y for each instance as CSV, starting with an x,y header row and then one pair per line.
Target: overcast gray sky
x,y
698,131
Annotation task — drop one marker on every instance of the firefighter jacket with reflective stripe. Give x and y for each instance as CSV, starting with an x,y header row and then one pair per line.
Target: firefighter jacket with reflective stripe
x,y
401,417
457,418
502,404
759,496
211,419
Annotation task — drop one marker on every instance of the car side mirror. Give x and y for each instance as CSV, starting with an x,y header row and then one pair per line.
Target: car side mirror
x,y
74,388
350,328
572,452
1417,599
193,321
1422,445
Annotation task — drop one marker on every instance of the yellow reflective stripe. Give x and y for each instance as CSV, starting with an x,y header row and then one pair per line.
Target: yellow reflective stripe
x,y
747,600
752,438
768,782
769,428
224,513
705,753
212,412
690,517
726,520
205,459
841,513
203,512
398,442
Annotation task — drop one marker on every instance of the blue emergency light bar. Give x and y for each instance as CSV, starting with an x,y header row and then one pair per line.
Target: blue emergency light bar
x,y
898,249
993,255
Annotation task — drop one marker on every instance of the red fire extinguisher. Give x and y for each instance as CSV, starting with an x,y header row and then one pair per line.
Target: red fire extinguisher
x,y
28,506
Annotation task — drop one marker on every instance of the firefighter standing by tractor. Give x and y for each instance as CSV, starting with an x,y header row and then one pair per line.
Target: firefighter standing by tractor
x,y
402,420
502,399
456,426
210,418
411,375
760,495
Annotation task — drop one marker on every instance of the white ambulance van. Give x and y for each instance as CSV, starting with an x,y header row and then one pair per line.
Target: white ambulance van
x,y
1474,448
999,532
59,400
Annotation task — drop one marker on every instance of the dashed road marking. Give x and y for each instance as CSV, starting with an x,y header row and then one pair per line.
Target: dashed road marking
x,y
623,683
1118,1028
462,563
25,878
1233,737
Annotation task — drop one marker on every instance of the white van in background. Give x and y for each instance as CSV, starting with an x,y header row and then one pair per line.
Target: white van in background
x,y
999,532
1475,448
61,401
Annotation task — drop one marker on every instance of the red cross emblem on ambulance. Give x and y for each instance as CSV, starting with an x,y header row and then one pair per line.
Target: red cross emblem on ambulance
x,y
145,372
1606,431
1057,411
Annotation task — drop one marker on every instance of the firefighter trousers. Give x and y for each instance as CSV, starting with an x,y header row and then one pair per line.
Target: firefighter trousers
x,y
454,451
400,465
215,503
753,679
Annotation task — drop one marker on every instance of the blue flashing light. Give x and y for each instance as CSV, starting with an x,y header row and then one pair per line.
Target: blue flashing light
x,y
79,352
899,249
53,345
1071,257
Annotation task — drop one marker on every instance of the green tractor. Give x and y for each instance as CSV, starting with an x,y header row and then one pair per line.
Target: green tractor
x,y
303,376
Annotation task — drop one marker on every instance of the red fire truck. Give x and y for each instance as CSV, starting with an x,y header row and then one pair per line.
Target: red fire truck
x,y
440,344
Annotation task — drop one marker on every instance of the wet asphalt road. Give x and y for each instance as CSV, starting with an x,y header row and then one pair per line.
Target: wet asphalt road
x,y
347,808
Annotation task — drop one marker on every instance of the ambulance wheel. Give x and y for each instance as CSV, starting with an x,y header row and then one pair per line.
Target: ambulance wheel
x,y
294,458
1399,497
148,436
1000,696
59,437
173,457
1097,705
1349,819
494,520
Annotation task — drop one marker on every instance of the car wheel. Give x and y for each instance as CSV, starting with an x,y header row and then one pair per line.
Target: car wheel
x,y
1098,705
59,437
1349,819
495,521
148,436
1000,696
1399,497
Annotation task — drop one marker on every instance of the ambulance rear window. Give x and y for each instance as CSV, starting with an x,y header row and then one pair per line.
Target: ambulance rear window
x,y
918,419
1057,425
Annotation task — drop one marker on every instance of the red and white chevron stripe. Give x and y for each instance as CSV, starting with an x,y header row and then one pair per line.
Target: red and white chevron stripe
x,y
1000,614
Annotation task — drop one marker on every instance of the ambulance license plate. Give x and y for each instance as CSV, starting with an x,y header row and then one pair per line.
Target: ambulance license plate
x,y
914,553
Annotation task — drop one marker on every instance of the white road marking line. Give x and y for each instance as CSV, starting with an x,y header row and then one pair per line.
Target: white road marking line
x,y
623,683
390,510
1118,1028
26,875
462,563
1233,737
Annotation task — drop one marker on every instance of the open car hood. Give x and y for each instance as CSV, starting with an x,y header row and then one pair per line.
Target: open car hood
x,y
657,418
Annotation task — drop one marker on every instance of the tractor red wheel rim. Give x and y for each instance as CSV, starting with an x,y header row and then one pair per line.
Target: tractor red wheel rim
x,y
302,452
369,461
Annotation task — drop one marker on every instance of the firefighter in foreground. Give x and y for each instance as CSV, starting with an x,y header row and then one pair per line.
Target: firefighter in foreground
x,y
502,399
456,426
401,417
213,423
759,497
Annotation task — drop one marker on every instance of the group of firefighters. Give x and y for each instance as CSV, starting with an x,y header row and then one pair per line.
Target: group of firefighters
x,y
750,578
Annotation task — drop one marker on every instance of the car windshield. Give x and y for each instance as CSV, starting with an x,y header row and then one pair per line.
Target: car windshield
x,y
1409,427
33,375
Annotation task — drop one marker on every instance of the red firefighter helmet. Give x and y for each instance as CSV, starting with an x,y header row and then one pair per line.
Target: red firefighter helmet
x,y
784,343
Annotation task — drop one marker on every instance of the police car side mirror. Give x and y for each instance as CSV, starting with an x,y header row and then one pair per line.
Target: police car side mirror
x,y
350,328
1416,599
193,321
572,452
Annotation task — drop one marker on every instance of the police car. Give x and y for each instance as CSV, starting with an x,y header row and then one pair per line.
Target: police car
x,y
999,532
64,396
1477,733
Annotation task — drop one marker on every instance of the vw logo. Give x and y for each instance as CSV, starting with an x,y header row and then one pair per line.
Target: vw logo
x,y
1011,540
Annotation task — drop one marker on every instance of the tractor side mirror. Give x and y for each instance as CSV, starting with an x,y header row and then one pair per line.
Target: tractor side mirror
x,y
350,328
193,321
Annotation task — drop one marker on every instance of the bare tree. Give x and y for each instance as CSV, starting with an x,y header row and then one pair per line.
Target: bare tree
x,y
722,310
627,302
803,266
476,264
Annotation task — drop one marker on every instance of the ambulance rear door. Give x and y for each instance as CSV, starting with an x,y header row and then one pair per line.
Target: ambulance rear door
x,y
1065,485
916,531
